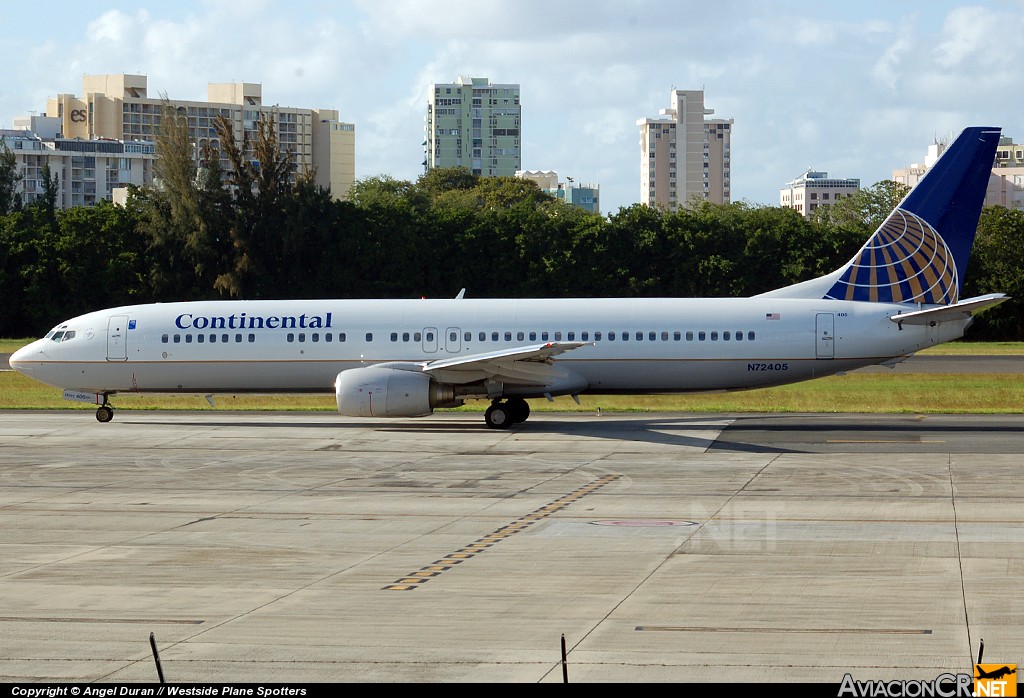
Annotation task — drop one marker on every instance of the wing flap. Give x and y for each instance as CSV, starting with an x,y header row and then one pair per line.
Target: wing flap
x,y
529,365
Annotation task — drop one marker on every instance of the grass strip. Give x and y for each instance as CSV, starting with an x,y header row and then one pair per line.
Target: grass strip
x,y
866,392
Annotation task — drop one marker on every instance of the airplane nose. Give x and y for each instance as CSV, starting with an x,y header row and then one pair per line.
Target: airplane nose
x,y
19,360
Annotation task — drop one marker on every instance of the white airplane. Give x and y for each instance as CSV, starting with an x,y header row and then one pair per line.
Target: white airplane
x,y
403,358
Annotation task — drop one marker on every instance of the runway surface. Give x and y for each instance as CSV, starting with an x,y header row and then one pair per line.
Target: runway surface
x,y
279,547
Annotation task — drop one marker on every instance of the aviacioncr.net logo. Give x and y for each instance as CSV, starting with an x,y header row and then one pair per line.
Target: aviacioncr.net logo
x,y
942,686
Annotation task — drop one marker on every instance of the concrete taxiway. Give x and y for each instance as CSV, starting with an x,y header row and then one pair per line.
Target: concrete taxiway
x,y
313,548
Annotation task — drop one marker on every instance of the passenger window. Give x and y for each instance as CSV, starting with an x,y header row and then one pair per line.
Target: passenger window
x,y
689,336
558,336
177,339
188,339
302,336
611,336
750,336
252,338
290,337
571,336
701,336
739,336
725,336
394,336
639,336
508,336
213,339
315,337
714,336
369,337
328,337
200,338
597,336
468,336
533,336
585,336
520,336
416,336
405,336
676,336
165,339
238,338
482,336
625,336
652,336
543,336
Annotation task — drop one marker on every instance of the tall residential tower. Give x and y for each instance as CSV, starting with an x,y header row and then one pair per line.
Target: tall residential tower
x,y
684,155
473,123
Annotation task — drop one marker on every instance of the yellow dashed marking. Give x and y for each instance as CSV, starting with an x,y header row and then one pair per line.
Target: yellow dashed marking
x,y
416,579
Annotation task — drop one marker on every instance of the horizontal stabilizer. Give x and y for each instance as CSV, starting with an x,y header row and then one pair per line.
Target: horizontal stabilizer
x,y
946,313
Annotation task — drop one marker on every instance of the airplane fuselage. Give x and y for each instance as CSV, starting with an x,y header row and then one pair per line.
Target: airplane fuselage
x,y
632,346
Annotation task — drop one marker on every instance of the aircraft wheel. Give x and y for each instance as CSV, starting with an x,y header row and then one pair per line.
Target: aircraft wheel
x,y
520,410
498,416
104,414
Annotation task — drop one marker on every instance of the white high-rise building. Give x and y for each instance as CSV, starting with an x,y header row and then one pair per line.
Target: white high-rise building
x,y
473,123
685,156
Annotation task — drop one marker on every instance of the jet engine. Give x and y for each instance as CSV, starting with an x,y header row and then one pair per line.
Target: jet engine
x,y
380,391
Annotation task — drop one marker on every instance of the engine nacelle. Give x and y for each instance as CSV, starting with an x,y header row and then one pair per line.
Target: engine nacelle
x,y
378,391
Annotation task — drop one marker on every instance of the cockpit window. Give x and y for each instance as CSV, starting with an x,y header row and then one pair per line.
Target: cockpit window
x,y
70,334
57,336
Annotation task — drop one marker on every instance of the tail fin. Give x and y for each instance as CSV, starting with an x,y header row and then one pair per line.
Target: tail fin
x,y
919,254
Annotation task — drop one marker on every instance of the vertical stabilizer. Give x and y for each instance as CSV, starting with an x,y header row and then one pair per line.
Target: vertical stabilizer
x,y
920,253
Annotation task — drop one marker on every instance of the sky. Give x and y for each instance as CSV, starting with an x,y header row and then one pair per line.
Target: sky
x,y
857,89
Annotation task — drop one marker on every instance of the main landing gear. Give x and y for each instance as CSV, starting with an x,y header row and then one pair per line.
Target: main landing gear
x,y
105,412
502,414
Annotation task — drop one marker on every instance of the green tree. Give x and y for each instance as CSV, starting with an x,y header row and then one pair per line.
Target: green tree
x,y
182,215
865,209
10,199
444,179
259,176
995,267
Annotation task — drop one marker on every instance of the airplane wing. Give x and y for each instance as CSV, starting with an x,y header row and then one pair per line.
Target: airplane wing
x,y
944,313
529,365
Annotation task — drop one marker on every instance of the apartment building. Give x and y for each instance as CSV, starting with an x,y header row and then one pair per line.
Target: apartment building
x,y
87,171
813,189
1005,186
119,107
685,156
586,196
473,123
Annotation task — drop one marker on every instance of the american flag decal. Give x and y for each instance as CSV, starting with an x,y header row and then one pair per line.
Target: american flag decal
x,y
772,316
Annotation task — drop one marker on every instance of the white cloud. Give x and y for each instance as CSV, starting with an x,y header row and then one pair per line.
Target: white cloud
x,y
845,84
